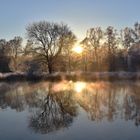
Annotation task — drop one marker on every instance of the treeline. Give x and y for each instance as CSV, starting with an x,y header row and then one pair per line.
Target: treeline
x,y
49,49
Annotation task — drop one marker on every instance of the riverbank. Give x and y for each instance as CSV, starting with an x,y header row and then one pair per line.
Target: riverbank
x,y
74,76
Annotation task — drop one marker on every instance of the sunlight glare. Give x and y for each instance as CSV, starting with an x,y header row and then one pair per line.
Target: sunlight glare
x,y
78,49
79,86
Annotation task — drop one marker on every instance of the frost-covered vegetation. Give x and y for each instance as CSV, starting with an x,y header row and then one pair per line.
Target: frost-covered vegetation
x,y
49,50
74,76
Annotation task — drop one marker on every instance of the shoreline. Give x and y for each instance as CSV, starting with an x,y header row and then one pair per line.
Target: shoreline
x,y
74,76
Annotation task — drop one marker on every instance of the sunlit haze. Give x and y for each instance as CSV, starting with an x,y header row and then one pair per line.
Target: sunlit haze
x,y
78,49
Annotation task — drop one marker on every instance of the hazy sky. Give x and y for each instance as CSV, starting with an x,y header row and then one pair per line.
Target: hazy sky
x,y
15,15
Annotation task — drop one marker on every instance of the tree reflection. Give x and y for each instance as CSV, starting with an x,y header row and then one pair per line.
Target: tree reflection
x,y
111,102
132,105
53,106
10,96
56,111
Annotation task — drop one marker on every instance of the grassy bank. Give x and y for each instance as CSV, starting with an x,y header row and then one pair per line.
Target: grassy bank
x,y
75,76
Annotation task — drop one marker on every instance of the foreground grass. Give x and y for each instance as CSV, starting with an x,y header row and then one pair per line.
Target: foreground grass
x,y
75,76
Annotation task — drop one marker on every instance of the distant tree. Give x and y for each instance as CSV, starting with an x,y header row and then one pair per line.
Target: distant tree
x,y
70,41
131,40
28,49
4,48
136,32
15,49
4,56
111,42
87,53
111,34
49,39
127,37
93,38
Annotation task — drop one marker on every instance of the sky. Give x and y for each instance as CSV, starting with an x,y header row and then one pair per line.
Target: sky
x,y
80,15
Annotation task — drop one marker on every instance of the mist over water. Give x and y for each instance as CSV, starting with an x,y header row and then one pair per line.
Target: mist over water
x,y
70,110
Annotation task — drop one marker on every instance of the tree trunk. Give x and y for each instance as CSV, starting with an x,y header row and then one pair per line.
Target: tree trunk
x,y
50,69
4,64
69,65
96,59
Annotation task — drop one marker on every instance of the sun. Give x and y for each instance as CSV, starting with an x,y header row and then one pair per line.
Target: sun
x,y
78,49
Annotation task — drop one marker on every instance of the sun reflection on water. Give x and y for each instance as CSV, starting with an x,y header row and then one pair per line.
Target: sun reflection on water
x,y
79,86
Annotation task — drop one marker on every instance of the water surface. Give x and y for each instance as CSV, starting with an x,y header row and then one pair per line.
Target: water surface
x,y
70,111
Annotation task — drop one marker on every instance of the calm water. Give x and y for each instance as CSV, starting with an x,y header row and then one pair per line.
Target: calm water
x,y
70,111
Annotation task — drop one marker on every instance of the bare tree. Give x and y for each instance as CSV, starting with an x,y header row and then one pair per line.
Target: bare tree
x,y
4,56
111,35
93,39
15,49
49,39
136,32
70,41
27,50
112,44
127,38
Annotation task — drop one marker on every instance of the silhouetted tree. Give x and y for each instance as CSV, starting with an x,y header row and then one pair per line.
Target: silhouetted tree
x,y
67,50
136,32
111,42
4,56
49,39
94,37
15,49
28,49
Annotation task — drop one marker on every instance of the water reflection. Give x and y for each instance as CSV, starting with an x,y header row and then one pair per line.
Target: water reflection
x,y
79,86
55,111
54,106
